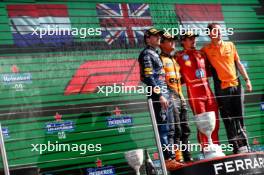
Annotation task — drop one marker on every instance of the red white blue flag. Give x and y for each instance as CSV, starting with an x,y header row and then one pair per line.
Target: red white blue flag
x,y
193,16
40,24
124,23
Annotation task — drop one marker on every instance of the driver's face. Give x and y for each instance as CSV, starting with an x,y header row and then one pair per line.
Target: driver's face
x,y
154,40
168,45
215,33
189,42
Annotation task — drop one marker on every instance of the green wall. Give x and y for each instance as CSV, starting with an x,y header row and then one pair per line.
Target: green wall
x,y
25,113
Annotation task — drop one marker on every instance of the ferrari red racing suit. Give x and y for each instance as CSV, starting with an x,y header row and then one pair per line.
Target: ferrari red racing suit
x,y
194,72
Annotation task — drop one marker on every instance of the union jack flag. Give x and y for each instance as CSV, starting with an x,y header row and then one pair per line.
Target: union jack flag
x,y
124,23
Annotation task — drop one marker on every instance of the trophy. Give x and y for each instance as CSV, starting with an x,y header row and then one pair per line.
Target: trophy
x,y
135,159
205,123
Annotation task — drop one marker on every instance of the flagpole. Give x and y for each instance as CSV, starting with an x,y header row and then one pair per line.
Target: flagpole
x,y
156,132
3,152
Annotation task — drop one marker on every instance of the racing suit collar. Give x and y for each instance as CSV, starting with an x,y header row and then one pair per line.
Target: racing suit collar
x,y
188,51
216,46
157,50
165,54
152,48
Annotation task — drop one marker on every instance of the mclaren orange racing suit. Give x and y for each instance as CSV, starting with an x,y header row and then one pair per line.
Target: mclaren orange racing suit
x,y
177,111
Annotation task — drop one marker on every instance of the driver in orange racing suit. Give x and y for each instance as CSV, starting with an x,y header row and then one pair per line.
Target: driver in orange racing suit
x,y
177,111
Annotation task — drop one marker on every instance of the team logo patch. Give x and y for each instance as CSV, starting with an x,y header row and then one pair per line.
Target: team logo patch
x,y
168,64
185,57
148,69
188,63
199,73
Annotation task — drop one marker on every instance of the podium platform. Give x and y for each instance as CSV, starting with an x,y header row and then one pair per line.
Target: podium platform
x,y
22,171
238,164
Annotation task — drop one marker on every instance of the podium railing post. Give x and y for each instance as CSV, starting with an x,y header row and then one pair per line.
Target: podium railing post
x,y
3,152
156,132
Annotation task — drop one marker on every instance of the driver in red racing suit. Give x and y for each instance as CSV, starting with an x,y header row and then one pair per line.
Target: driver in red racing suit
x,y
194,72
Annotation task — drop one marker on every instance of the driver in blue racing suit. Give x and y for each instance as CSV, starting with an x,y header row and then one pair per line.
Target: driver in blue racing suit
x,y
153,75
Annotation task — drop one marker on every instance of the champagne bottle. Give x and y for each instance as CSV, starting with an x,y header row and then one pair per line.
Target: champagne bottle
x,y
150,169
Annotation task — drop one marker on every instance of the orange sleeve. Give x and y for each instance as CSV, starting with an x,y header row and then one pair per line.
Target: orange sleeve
x,y
236,56
204,48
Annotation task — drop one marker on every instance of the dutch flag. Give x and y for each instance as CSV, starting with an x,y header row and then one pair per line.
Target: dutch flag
x,y
40,24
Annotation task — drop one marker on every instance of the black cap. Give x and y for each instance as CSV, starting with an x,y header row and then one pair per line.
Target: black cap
x,y
153,31
188,34
167,36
